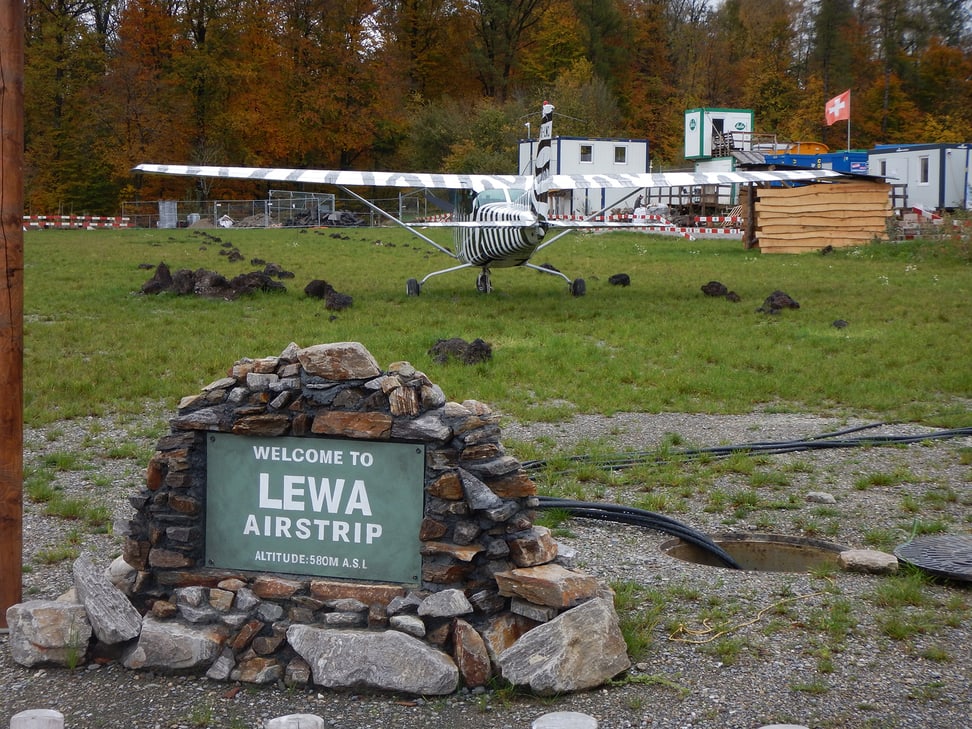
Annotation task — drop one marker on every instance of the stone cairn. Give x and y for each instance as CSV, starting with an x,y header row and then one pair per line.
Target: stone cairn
x,y
495,599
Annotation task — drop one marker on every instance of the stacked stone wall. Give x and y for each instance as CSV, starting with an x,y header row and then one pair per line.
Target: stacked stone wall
x,y
488,577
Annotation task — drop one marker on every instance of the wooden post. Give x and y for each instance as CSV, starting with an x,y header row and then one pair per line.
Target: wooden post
x,y
11,302
749,236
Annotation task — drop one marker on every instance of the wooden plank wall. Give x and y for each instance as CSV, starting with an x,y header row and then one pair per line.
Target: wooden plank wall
x,y
812,217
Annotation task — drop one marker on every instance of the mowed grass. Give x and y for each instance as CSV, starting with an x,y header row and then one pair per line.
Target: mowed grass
x,y
94,344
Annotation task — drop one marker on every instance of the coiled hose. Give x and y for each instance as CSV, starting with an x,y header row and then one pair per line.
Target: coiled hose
x,y
662,523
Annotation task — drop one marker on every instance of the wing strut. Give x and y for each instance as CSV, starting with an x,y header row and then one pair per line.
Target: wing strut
x,y
562,233
396,221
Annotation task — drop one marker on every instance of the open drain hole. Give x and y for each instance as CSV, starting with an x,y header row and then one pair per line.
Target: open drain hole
x,y
761,552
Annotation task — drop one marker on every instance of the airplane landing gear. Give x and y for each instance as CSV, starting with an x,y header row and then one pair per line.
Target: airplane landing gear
x,y
483,284
578,287
412,287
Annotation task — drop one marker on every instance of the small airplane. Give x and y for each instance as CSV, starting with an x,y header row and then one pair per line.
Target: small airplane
x,y
509,220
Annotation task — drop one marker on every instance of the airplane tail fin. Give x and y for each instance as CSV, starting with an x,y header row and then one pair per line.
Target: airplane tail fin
x,y
541,162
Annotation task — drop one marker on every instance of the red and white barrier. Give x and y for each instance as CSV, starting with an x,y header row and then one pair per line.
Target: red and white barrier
x,y
80,222
731,219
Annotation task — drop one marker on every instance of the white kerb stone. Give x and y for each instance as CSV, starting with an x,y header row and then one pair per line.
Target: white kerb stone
x,y
37,719
565,720
296,721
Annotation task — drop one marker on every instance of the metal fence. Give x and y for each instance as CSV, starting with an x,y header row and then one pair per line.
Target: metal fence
x,y
282,209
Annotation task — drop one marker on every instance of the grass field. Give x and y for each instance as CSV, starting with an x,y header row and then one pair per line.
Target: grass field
x,y
95,345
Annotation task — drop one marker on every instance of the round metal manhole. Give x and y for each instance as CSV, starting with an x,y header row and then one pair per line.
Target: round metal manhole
x,y
761,552
947,555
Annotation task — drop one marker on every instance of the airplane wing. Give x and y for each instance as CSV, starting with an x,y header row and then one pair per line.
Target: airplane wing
x,y
478,183
683,179
349,178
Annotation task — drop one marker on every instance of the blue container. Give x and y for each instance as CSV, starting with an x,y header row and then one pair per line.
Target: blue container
x,y
851,162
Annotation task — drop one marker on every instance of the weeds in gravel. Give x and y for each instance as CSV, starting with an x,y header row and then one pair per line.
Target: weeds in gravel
x,y
201,715
556,520
75,647
646,679
936,653
909,607
639,610
885,479
923,527
817,686
883,538
928,691
726,649
57,554
906,589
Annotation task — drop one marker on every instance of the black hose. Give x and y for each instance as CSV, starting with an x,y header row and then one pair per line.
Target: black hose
x,y
639,517
819,442
662,523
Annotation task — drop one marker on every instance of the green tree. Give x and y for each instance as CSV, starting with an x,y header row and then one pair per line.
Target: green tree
x,y
832,55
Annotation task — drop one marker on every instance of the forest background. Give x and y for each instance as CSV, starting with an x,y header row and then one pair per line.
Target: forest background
x,y
450,85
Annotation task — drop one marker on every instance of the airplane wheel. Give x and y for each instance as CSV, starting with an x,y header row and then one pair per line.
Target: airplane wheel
x,y
483,284
412,287
578,287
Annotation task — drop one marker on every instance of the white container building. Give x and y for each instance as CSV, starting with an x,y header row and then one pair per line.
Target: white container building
x,y
936,176
713,132
590,156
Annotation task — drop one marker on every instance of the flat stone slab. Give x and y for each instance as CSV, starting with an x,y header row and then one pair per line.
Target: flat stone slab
x,y
387,661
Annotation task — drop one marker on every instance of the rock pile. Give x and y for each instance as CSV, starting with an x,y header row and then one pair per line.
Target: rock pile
x,y
776,302
462,351
492,601
211,284
719,289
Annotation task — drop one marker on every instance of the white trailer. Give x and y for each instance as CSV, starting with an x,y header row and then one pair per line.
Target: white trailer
x,y
937,176
590,156
712,132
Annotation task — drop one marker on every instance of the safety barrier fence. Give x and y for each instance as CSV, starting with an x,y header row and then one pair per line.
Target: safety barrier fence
x,y
83,222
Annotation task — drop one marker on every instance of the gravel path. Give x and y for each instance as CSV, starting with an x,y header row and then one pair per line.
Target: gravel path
x,y
727,649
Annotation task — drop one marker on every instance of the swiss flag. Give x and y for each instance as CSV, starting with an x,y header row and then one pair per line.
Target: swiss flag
x,y
838,108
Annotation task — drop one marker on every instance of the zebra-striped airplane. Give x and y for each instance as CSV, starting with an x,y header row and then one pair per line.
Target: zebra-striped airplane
x,y
509,219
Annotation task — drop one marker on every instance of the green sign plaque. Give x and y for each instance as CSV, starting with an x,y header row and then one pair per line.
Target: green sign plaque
x,y
315,506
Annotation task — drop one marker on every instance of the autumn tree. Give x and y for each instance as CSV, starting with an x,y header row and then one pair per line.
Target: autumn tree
x,y
502,27
436,84
556,43
63,65
143,108
424,47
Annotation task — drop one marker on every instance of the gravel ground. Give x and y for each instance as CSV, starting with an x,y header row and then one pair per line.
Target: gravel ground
x,y
800,648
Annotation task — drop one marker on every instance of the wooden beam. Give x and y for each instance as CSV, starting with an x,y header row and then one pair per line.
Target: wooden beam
x,y
11,303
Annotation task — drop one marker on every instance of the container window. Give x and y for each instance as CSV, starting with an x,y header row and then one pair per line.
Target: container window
x,y
586,153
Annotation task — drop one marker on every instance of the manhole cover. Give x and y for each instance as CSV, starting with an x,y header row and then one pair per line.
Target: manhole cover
x,y
761,552
948,555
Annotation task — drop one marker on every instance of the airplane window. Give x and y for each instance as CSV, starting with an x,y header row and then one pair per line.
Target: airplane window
x,y
497,196
489,196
